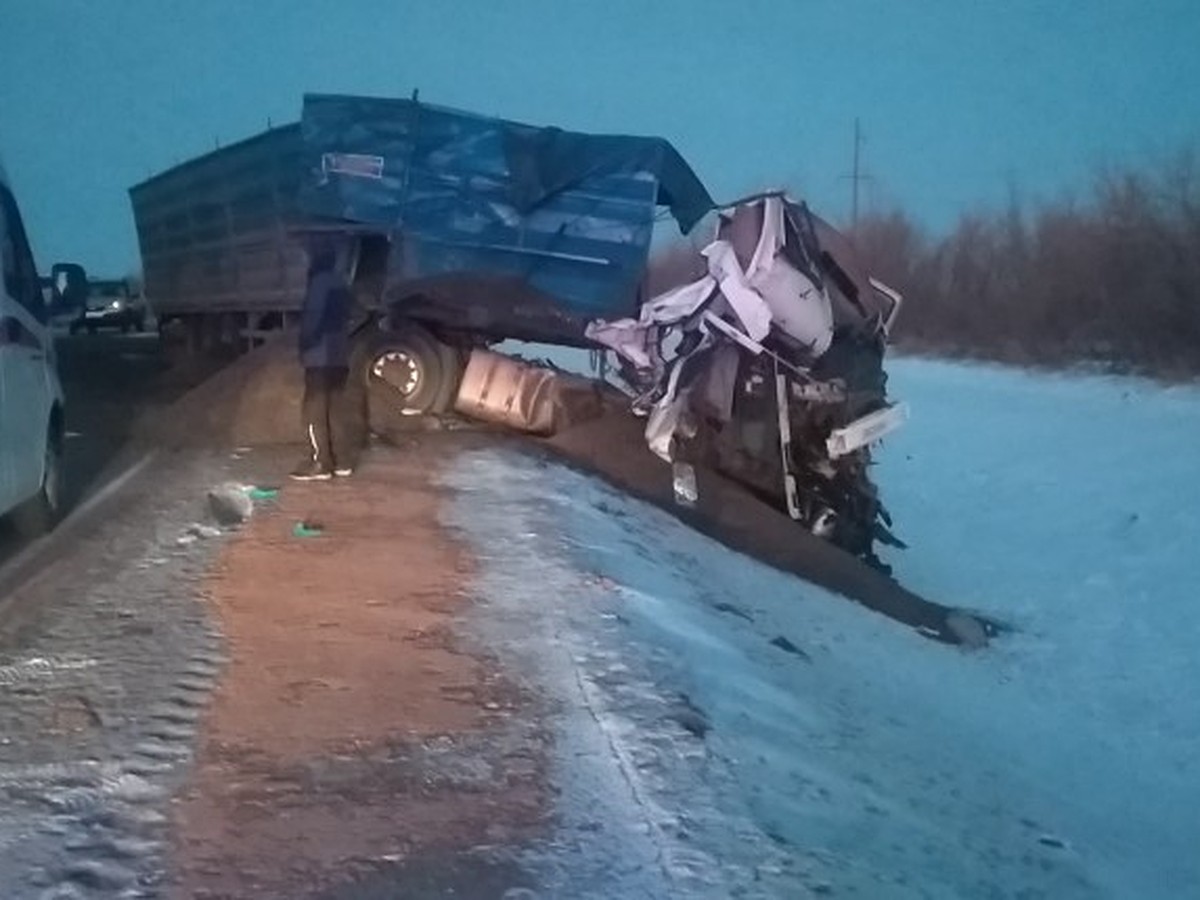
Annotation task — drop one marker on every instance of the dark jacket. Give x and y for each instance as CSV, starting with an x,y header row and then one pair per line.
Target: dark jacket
x,y
325,316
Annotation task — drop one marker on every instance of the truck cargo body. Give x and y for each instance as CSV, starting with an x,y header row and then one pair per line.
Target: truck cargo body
x,y
508,230
214,231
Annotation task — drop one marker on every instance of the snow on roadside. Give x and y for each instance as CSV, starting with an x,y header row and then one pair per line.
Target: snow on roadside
x,y
730,731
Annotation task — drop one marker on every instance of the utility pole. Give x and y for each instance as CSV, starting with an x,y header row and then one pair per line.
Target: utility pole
x,y
856,176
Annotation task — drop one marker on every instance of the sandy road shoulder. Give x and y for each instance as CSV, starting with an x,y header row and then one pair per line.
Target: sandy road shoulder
x,y
352,734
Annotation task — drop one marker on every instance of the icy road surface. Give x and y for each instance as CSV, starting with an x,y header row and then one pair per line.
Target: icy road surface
x,y
726,730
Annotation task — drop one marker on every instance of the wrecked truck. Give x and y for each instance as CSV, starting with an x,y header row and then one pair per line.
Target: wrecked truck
x,y
464,231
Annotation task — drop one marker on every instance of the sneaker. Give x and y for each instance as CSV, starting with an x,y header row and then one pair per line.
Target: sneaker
x,y
343,471
311,470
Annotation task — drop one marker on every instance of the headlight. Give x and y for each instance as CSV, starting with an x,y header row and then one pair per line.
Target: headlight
x,y
115,305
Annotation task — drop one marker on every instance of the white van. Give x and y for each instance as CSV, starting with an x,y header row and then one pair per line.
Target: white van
x,y
31,398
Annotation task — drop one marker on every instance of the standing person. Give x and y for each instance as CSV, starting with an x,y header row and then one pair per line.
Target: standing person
x,y
325,356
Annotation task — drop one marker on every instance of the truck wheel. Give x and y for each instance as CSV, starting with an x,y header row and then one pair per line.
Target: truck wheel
x,y
40,514
409,372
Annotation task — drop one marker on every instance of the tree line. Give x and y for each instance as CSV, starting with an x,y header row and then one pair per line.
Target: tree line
x,y
1110,279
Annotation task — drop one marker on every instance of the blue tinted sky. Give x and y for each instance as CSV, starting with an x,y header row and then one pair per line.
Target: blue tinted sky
x,y
959,100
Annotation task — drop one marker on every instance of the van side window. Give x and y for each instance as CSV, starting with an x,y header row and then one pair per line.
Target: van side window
x,y
20,273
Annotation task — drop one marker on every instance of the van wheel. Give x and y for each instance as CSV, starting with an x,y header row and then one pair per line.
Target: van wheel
x,y
40,514
408,373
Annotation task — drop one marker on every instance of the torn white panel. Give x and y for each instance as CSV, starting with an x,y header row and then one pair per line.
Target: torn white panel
x,y
748,305
744,294
662,425
668,413
770,239
711,320
768,291
678,303
635,339
798,307
628,338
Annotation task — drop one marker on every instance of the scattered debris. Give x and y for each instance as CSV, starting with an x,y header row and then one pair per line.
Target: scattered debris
x,y
733,611
259,494
601,581
197,531
788,647
307,529
691,718
230,504
968,630
684,480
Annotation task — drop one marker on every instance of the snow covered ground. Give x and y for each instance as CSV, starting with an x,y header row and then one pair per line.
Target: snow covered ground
x,y
726,730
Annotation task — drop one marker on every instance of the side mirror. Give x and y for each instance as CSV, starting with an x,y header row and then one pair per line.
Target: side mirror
x,y
68,287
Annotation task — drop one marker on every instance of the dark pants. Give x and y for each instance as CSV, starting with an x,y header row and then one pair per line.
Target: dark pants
x,y
328,418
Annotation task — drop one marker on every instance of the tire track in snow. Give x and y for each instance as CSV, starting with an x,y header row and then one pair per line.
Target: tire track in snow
x,y
123,673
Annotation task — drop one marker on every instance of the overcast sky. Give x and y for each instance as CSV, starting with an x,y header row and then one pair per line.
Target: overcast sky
x,y
960,101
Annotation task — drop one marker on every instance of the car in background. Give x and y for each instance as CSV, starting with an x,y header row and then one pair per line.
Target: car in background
x,y
31,397
110,303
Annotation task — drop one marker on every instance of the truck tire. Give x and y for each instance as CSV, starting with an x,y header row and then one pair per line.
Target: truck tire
x,y
38,515
408,373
